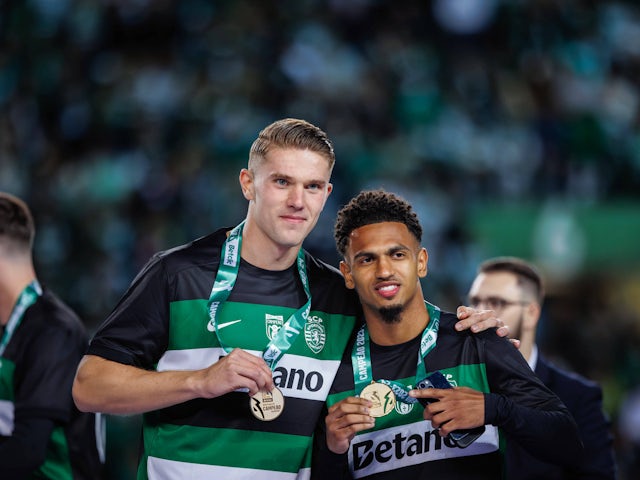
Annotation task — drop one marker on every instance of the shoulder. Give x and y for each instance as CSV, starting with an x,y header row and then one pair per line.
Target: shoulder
x,y
447,323
324,276
321,269
328,289
202,250
51,316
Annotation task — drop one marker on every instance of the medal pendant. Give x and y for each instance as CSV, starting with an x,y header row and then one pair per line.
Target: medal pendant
x,y
267,406
382,397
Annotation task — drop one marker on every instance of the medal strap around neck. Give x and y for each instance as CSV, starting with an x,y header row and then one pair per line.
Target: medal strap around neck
x,y
224,283
361,357
27,297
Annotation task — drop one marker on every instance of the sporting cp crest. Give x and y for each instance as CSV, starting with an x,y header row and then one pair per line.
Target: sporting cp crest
x,y
273,324
315,334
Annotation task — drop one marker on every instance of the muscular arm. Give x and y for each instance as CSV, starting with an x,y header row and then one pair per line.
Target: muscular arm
x,y
106,386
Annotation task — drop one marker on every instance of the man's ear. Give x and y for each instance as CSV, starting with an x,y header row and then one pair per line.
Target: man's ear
x,y
532,313
246,183
423,259
346,273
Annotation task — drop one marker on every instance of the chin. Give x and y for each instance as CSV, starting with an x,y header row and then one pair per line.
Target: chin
x,y
391,314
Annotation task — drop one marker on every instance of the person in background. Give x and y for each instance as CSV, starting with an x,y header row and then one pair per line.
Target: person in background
x,y
42,433
375,426
514,289
228,345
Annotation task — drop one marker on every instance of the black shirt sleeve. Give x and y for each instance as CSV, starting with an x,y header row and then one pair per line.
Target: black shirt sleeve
x,y
525,409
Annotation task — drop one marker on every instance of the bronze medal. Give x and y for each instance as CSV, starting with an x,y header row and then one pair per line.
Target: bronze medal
x,y
267,406
382,397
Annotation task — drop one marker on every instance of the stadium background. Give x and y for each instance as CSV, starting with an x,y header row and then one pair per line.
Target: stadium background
x,y
511,125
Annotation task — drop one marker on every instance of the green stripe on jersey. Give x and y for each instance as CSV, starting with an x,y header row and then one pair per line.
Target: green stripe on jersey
x,y
248,326
228,447
7,369
473,376
57,464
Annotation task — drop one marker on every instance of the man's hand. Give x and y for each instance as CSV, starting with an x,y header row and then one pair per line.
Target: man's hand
x,y
479,320
346,418
239,369
456,408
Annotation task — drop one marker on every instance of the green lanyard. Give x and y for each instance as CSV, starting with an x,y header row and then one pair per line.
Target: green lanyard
x,y
27,297
226,279
361,357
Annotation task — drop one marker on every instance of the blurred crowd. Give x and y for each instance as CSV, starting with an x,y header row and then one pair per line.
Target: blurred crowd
x,y
124,123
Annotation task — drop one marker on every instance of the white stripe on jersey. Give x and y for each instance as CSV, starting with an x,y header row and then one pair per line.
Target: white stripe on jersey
x,y
6,417
297,376
414,442
162,469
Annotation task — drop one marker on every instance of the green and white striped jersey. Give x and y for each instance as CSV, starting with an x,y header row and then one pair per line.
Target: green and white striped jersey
x,y
162,323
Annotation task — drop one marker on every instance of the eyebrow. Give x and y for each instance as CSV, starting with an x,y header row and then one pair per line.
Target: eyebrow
x,y
388,251
289,178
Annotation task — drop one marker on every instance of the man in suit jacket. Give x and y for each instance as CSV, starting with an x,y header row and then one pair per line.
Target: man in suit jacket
x,y
514,289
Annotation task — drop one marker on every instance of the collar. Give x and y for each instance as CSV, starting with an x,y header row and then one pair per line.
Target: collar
x,y
533,359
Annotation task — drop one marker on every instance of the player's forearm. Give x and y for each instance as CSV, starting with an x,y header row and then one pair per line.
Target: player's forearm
x,y
110,387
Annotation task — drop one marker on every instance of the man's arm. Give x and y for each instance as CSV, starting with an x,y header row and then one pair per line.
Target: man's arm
x,y
106,386
526,410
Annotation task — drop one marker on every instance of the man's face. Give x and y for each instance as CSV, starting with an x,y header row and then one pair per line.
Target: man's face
x,y
384,262
287,192
499,291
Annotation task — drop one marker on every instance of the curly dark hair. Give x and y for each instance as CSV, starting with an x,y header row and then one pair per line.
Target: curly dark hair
x,y
373,206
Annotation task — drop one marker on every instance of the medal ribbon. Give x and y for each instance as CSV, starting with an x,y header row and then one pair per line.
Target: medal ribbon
x,y
27,297
226,279
361,357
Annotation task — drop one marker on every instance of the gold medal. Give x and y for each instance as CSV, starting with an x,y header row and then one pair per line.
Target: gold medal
x,y
382,397
267,406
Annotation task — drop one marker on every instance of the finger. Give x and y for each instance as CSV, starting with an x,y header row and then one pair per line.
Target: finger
x,y
503,331
351,405
479,321
435,393
351,421
470,317
252,367
244,374
463,312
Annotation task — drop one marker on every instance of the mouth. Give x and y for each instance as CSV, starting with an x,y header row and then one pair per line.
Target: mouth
x,y
387,290
293,219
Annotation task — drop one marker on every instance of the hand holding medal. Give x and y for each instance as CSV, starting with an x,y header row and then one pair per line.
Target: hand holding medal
x,y
382,398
